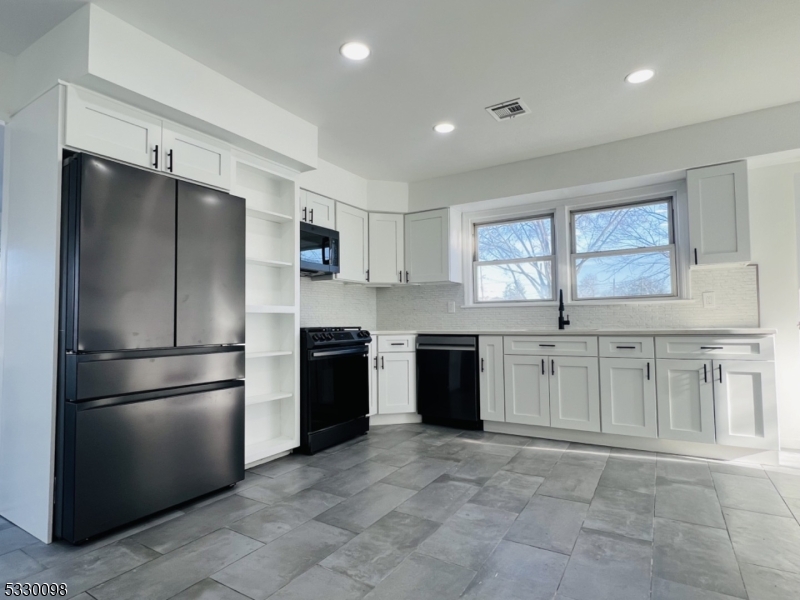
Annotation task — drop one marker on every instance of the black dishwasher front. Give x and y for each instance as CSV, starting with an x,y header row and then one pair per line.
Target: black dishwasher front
x,y
447,380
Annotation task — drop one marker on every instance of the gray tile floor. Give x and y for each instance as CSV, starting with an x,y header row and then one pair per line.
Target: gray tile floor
x,y
420,512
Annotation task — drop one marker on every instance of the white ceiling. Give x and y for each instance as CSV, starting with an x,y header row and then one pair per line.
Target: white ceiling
x,y
437,60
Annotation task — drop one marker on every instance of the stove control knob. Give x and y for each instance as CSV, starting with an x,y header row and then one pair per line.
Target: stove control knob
x,y
365,333
328,336
315,337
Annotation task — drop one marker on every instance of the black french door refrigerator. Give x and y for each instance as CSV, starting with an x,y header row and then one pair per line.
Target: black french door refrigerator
x,y
151,366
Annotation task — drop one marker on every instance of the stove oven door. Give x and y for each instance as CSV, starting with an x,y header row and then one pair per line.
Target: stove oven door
x,y
338,381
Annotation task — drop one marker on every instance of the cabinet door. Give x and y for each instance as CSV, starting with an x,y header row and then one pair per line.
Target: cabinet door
x,y
353,225
319,210
126,254
373,377
745,402
685,400
628,396
194,156
397,378
719,225
527,386
491,380
96,124
428,251
574,393
210,283
386,262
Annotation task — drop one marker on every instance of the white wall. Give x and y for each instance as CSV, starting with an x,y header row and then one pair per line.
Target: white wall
x,y
387,196
6,72
29,273
334,304
773,237
723,140
334,182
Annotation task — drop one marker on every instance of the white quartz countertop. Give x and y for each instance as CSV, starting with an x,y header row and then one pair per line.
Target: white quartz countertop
x,y
568,331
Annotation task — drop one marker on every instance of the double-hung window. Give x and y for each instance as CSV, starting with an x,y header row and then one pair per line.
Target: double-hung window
x,y
624,251
515,261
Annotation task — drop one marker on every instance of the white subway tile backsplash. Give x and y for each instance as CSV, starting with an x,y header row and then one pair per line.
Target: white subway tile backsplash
x,y
333,304
421,308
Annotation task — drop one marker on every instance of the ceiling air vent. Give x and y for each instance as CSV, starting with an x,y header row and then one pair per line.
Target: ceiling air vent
x,y
508,109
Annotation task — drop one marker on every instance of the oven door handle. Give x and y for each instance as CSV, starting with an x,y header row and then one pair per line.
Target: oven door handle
x,y
456,348
345,352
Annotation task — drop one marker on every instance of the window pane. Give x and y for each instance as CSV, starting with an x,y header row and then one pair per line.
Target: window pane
x,y
516,281
521,239
627,275
622,228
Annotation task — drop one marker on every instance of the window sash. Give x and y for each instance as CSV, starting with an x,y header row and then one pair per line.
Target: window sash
x,y
545,217
671,249
543,259
668,200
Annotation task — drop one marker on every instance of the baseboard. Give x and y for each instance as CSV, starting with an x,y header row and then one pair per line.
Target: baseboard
x,y
262,461
398,419
764,457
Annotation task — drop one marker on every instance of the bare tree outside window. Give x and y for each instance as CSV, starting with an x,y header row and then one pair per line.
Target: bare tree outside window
x,y
514,261
624,251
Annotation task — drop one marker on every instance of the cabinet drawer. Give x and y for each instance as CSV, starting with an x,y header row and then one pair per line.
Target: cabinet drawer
x,y
396,343
544,345
736,348
626,347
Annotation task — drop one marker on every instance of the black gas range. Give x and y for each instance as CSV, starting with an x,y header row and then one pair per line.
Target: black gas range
x,y
334,386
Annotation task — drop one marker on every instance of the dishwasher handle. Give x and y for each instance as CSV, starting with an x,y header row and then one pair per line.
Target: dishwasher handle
x,y
448,348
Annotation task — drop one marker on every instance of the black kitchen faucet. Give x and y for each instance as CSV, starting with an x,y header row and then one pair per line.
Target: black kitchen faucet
x,y
562,322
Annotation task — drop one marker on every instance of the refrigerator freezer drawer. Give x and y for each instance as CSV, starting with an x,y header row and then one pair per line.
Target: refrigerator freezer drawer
x,y
127,461
117,376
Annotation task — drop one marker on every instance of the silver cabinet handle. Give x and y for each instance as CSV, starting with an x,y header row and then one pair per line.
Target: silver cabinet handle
x,y
382,366
542,366
482,369
720,373
552,366
376,363
648,371
311,212
305,213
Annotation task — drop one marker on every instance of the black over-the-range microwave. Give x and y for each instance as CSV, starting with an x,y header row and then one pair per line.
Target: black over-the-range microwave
x,y
319,250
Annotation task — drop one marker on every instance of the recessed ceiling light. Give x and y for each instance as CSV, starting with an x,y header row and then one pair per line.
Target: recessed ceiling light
x,y
355,51
444,127
640,76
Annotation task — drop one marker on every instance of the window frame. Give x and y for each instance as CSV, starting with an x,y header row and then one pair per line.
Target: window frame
x,y
552,258
559,204
574,255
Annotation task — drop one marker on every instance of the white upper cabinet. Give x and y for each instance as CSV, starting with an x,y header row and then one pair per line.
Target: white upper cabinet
x,y
492,393
353,226
744,399
386,260
719,225
102,126
628,396
433,247
317,210
574,393
194,156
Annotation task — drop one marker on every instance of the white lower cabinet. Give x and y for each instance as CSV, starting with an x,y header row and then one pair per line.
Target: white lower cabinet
x,y
527,390
397,382
575,393
628,396
744,398
492,392
685,400
373,378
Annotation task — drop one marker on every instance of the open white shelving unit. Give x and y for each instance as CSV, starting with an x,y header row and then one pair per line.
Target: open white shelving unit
x,y
272,376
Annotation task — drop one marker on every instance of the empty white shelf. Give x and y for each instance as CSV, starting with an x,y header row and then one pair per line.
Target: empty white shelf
x,y
259,450
268,263
269,308
268,215
259,398
267,354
